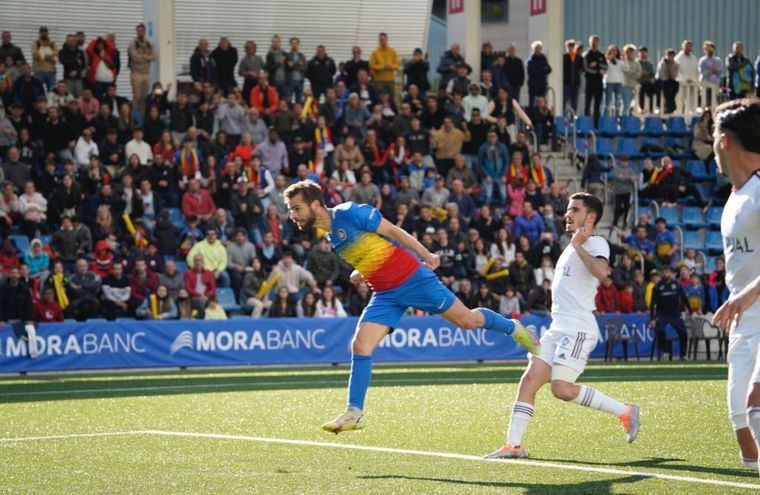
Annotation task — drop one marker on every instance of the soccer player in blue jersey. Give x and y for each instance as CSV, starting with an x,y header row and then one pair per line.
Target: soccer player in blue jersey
x,y
400,272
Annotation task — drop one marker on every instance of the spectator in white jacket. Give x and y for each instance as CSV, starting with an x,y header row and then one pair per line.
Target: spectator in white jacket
x,y
613,81
631,76
84,149
138,147
32,207
474,100
688,76
329,306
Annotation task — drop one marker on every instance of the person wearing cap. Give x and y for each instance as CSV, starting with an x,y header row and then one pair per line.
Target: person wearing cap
x,y
141,54
384,62
668,302
214,256
572,69
44,56
474,100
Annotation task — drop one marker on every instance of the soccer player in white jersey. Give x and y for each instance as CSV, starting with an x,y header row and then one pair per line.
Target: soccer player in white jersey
x,y
737,150
573,333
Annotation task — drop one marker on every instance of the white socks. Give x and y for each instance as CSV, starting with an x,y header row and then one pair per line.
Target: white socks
x,y
594,399
31,333
753,421
522,413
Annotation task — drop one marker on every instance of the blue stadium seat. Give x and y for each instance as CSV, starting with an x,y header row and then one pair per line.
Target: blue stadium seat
x,y
583,145
714,242
670,214
712,169
630,126
584,125
672,144
560,123
604,146
21,242
692,218
608,126
677,127
181,266
642,210
226,297
627,146
652,141
240,317
46,239
653,126
175,215
713,216
697,169
709,264
693,239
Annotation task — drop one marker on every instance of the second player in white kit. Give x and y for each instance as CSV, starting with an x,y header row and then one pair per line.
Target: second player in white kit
x,y
573,334
737,149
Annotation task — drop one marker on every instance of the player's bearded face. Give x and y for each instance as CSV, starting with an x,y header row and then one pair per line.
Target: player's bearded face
x,y
307,219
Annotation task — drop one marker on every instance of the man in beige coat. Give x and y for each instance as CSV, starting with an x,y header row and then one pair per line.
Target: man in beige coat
x,y
141,54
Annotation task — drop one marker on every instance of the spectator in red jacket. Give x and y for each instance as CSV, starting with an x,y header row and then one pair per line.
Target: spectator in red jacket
x,y
47,309
142,284
607,297
102,71
625,298
198,202
264,98
200,284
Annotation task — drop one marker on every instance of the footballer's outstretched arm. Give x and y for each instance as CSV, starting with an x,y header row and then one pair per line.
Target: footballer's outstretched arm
x,y
736,306
387,229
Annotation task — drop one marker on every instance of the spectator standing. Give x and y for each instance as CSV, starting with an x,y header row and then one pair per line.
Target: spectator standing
x,y
275,64
320,71
274,154
688,76
141,54
710,75
668,300
231,119
665,242
8,49
538,72
295,70
607,297
623,181
251,66
416,71
447,143
225,57
44,56
739,72
202,68
572,69
515,71
384,62
353,66
595,66
613,81
15,299
667,75
27,89
74,65
631,75
450,60
103,58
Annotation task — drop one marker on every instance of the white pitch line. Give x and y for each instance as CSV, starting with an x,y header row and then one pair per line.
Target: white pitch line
x,y
465,457
334,382
73,435
389,450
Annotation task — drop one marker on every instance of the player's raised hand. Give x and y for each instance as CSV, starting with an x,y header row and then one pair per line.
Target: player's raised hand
x,y
582,233
730,314
432,261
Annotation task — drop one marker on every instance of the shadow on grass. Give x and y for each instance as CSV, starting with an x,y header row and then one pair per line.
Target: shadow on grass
x,y
580,487
662,463
46,388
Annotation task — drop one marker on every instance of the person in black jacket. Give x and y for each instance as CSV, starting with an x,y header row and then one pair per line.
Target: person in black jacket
x,y
514,70
352,66
320,71
595,65
15,299
572,68
538,73
225,57
416,72
668,300
74,65
201,64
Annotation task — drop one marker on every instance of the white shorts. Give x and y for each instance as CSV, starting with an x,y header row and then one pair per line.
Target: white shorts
x,y
743,368
567,344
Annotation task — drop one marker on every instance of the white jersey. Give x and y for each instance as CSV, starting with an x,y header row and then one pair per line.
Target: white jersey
x,y
574,286
740,228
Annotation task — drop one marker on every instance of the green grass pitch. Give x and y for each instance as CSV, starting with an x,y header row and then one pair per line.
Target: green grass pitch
x,y
264,436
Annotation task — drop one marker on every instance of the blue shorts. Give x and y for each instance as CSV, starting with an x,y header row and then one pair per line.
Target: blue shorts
x,y
423,290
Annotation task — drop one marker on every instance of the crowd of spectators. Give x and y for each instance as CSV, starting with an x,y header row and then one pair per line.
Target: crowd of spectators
x,y
148,208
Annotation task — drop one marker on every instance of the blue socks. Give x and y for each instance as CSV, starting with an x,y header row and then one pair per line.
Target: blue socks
x,y
358,381
496,322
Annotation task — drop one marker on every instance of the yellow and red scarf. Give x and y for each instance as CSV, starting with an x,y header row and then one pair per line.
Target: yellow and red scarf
x,y
190,163
538,175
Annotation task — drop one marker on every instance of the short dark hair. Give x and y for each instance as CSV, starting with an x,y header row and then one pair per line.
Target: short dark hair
x,y
742,119
308,189
592,203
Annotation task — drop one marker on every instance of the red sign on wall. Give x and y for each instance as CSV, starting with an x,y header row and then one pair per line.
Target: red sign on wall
x,y
456,6
537,7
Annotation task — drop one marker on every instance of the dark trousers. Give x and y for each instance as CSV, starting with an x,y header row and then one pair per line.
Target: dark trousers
x,y
622,207
248,84
669,91
594,90
571,97
651,90
444,165
664,344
